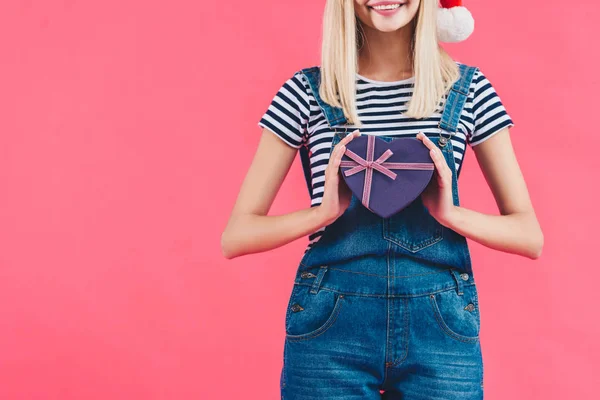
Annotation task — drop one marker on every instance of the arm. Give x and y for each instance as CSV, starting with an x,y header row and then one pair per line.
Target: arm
x,y
250,229
517,229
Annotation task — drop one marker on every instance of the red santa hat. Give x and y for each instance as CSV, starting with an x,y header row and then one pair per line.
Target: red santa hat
x,y
455,23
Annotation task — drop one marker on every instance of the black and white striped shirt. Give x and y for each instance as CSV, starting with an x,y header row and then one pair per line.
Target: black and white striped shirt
x,y
296,118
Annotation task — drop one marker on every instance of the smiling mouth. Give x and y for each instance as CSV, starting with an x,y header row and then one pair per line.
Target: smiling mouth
x,y
386,7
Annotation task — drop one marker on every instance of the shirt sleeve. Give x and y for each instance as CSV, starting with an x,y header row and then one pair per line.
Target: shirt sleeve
x,y
288,114
489,114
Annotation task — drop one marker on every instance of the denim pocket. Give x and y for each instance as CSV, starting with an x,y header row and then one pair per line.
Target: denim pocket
x,y
457,315
413,228
311,314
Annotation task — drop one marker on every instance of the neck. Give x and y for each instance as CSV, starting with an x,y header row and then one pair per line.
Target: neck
x,y
386,56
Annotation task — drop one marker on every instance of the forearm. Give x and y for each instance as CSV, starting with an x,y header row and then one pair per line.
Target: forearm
x,y
517,233
250,233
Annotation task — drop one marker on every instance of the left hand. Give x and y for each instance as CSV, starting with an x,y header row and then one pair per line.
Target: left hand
x,y
437,196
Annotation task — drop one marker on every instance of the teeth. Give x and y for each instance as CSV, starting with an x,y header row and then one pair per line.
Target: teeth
x,y
387,7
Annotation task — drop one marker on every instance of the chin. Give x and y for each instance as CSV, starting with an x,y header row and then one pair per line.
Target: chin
x,y
389,27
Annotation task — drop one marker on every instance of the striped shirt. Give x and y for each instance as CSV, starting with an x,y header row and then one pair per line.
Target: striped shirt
x,y
296,118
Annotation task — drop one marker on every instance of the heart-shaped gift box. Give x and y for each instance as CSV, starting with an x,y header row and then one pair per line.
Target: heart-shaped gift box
x,y
386,175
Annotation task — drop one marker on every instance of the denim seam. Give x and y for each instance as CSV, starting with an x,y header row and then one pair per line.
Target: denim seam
x,y
456,99
388,276
345,293
415,248
406,335
290,302
446,328
323,328
390,319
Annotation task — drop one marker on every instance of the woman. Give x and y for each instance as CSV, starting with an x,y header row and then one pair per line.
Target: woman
x,y
384,307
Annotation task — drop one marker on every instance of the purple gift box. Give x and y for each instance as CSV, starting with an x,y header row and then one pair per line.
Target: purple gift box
x,y
386,176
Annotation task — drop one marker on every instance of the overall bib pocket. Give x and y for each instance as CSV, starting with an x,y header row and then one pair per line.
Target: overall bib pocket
x,y
310,315
413,228
457,315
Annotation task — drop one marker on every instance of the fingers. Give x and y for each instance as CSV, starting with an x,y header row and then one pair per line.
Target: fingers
x,y
426,141
347,139
437,156
337,155
351,136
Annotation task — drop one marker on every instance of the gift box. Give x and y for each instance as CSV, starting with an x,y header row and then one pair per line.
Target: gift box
x,y
386,175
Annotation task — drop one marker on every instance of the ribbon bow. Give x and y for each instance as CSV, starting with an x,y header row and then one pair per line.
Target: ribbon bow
x,y
358,164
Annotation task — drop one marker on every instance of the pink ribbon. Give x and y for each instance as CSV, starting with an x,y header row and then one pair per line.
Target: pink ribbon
x,y
359,163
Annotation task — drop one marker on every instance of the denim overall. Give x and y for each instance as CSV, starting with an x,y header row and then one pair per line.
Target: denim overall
x,y
385,308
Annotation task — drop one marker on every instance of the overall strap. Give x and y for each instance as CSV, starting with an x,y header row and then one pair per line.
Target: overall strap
x,y
334,115
455,101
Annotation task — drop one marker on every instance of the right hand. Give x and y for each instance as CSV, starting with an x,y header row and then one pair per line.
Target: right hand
x,y
336,194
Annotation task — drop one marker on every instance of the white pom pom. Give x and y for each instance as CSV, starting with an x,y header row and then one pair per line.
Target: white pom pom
x,y
454,24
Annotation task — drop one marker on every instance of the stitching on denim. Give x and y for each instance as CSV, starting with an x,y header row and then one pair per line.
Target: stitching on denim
x,y
385,371
346,293
388,276
390,304
388,235
290,301
458,280
446,328
323,328
456,99
406,335
283,378
477,310
390,319
452,165
482,373
443,271
318,279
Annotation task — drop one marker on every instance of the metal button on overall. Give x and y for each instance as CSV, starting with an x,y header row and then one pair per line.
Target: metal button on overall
x,y
297,307
464,276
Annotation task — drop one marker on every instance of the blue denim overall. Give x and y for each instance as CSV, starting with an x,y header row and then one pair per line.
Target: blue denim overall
x,y
385,308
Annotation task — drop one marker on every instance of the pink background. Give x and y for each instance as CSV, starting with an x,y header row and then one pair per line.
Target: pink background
x,y
115,116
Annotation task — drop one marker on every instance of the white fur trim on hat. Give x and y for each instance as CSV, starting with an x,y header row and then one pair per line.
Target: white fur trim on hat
x,y
454,24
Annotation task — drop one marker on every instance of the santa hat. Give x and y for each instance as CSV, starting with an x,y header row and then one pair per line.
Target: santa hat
x,y
455,23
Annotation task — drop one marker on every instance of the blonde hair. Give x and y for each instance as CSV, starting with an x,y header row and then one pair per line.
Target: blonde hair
x,y
434,69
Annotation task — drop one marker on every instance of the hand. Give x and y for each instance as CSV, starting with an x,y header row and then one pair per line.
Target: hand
x,y
437,196
336,194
